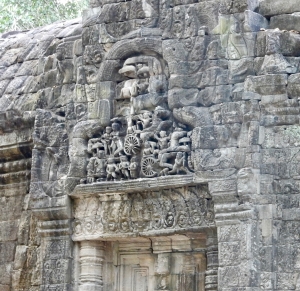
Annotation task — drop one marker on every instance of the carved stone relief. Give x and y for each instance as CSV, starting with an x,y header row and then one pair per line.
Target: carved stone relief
x,y
122,118
143,139
158,211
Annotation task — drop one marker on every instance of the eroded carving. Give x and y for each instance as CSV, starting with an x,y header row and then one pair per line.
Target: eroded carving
x,y
179,208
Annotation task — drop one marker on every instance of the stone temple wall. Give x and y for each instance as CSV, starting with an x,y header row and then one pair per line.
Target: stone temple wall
x,y
152,145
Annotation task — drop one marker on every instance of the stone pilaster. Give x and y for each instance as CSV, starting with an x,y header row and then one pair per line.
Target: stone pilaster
x,y
57,255
237,237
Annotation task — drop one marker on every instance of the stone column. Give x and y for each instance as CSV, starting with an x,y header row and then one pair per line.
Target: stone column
x,y
211,274
91,257
162,246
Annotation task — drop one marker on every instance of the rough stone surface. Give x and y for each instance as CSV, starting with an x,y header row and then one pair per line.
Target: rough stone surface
x,y
154,145
286,21
276,7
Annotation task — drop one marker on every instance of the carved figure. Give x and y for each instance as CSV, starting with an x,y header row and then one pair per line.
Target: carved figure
x,y
166,21
133,168
215,160
148,149
124,166
163,140
178,21
191,22
163,159
54,157
174,141
107,140
130,89
100,166
237,46
179,164
161,120
91,170
96,167
64,66
111,169
145,119
116,143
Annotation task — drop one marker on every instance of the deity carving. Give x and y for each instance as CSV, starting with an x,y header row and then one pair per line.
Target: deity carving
x,y
143,139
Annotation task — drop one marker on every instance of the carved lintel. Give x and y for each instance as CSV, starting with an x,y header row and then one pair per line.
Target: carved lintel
x,y
150,213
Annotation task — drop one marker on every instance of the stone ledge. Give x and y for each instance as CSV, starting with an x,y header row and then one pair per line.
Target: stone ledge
x,y
138,185
196,230
147,184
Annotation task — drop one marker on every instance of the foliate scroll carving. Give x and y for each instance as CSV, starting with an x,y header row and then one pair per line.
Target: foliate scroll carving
x,y
180,208
143,139
56,264
50,155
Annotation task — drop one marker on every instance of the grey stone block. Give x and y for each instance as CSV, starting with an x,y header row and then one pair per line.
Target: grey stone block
x,y
267,85
276,7
286,21
294,86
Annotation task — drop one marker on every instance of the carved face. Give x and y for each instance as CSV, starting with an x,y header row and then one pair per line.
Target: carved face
x,y
125,225
196,218
163,133
101,154
182,220
123,158
115,127
112,226
169,221
179,155
108,129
